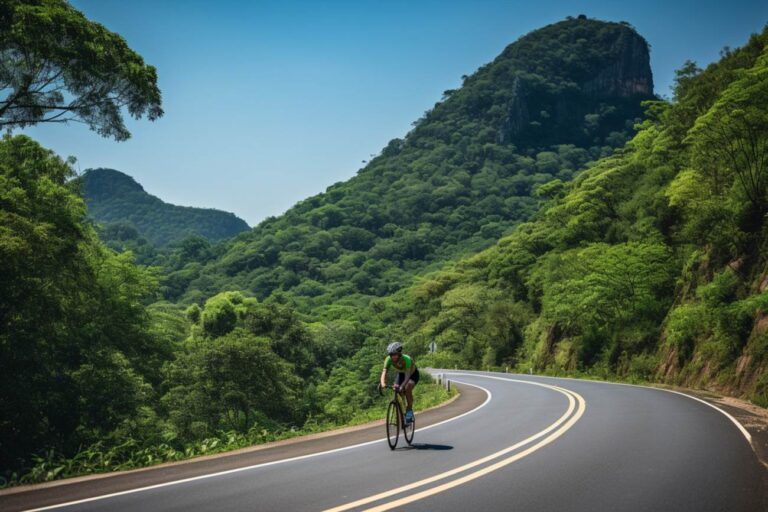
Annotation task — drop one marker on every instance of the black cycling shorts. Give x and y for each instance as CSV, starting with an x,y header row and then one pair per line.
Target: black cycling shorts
x,y
414,378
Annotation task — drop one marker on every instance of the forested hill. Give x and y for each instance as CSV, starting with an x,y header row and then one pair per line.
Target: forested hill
x,y
465,175
651,265
124,209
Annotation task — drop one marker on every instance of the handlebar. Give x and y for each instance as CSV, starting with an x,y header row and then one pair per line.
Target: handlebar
x,y
381,390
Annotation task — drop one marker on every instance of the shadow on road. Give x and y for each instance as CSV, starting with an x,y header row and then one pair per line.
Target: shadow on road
x,y
426,446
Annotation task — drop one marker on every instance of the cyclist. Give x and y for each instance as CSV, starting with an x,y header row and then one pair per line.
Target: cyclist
x,y
407,374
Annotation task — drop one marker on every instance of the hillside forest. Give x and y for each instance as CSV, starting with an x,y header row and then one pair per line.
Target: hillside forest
x,y
132,219
551,215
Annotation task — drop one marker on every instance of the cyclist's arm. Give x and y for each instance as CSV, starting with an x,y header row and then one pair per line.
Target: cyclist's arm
x,y
383,380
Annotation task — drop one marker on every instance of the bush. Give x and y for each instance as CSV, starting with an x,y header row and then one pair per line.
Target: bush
x,y
721,290
684,325
760,393
643,367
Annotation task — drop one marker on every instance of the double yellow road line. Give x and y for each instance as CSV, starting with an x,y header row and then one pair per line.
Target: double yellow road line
x,y
576,407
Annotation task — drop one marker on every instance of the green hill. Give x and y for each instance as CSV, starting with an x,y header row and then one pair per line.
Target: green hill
x,y
120,204
651,265
465,175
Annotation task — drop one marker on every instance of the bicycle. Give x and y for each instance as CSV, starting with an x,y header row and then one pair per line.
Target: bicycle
x,y
395,420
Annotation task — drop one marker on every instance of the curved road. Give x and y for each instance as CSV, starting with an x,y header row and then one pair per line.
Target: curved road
x,y
536,444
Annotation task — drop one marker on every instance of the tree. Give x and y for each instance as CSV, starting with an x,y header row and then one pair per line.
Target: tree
x,y
57,66
219,316
226,383
732,137
73,326
608,286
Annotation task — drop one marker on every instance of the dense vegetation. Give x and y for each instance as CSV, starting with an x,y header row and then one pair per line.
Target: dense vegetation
x,y
88,368
644,259
115,378
650,265
76,353
130,217
465,175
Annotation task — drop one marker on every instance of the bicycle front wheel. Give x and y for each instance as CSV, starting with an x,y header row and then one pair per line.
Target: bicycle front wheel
x,y
393,424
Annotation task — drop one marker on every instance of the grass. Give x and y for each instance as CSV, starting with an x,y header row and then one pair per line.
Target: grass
x,y
131,455
424,397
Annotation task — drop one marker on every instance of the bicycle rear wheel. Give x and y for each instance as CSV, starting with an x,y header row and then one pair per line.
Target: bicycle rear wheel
x,y
393,424
409,429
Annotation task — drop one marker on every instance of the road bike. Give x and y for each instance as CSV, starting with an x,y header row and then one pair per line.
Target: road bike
x,y
395,421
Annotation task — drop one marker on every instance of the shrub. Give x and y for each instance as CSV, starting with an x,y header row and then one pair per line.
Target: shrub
x,y
684,325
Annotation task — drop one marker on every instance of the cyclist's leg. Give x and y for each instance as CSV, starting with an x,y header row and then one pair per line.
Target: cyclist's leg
x,y
400,378
409,389
409,394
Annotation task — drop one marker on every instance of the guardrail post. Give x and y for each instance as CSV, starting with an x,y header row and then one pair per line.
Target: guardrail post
x,y
448,384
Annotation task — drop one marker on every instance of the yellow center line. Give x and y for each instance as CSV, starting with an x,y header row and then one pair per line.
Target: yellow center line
x,y
484,471
571,406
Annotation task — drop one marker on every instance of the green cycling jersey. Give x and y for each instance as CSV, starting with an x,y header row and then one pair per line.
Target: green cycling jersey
x,y
404,364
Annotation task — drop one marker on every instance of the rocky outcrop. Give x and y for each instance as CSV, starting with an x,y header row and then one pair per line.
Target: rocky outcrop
x,y
517,117
628,75
579,78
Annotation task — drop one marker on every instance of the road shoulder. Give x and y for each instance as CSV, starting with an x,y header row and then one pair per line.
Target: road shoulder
x,y
752,417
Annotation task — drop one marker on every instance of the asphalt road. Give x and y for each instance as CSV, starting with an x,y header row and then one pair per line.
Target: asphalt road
x,y
538,444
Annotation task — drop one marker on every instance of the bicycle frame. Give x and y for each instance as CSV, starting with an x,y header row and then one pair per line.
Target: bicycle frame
x,y
395,419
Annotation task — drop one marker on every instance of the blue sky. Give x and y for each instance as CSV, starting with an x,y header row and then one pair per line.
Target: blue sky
x,y
269,102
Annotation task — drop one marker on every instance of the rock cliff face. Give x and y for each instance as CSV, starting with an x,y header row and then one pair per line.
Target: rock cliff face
x,y
518,117
629,75
570,77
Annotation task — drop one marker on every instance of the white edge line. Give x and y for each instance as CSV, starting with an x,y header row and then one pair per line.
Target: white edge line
x,y
736,422
264,464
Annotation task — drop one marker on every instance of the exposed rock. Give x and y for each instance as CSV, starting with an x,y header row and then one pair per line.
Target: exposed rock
x,y
764,284
742,363
629,75
517,116
668,370
761,324
592,67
